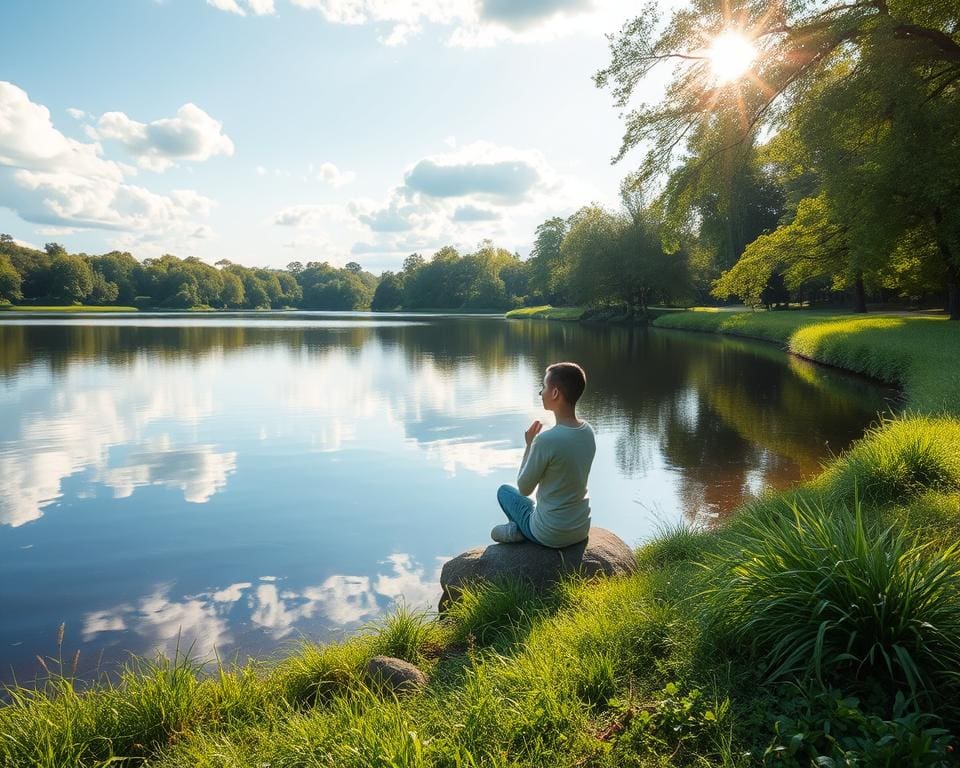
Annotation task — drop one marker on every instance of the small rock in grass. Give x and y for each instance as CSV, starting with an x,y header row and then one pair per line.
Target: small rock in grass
x,y
394,674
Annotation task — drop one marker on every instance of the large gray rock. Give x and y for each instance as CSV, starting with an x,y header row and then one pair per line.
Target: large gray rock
x,y
394,674
603,553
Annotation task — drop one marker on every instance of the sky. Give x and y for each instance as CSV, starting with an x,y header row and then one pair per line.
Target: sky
x,y
272,131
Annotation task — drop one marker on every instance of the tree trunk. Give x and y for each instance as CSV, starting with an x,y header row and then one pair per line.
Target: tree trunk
x,y
953,270
953,292
859,295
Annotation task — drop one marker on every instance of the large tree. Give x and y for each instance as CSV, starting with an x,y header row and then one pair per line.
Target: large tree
x,y
620,259
547,269
71,278
871,89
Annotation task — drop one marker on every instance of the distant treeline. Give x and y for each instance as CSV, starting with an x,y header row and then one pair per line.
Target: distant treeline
x,y
53,275
594,257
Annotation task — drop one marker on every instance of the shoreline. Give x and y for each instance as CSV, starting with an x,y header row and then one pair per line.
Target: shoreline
x,y
610,672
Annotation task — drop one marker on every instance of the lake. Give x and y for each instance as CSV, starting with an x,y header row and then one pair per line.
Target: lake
x,y
236,482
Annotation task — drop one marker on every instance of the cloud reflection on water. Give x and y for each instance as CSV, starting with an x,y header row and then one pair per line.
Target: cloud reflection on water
x,y
83,417
205,622
199,471
368,395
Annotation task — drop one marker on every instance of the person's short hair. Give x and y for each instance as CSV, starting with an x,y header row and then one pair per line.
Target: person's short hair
x,y
569,378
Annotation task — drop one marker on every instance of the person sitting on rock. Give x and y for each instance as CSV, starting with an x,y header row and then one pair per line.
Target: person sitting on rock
x,y
557,463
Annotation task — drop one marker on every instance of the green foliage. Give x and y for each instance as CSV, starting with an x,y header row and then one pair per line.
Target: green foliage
x,y
614,258
810,248
71,278
671,545
326,287
480,280
812,592
58,725
678,724
826,728
317,672
10,281
549,269
859,100
389,292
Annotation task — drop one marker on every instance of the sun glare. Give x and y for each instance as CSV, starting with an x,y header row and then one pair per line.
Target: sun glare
x,y
730,55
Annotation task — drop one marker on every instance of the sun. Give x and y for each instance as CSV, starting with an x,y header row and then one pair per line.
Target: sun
x,y
730,55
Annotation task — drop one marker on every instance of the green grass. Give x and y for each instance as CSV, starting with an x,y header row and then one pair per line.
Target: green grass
x,y
814,594
71,308
612,314
919,354
546,312
822,623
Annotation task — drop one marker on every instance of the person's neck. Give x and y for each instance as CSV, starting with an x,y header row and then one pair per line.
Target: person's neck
x,y
566,417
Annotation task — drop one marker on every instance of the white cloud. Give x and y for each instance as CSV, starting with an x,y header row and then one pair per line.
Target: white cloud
x,y
232,593
240,7
328,173
461,196
261,7
49,179
307,216
28,141
191,135
481,169
194,623
474,213
76,114
471,22
56,231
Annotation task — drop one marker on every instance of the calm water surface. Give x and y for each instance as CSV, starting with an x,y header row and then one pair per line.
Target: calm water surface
x,y
234,483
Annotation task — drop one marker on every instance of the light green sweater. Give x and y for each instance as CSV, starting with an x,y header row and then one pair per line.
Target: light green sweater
x,y
558,464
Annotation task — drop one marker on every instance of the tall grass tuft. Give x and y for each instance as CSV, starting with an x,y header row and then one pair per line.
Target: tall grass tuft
x,y
495,611
56,725
673,544
813,593
405,634
896,462
315,673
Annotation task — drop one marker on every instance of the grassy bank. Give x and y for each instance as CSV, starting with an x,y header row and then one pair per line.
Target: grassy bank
x,y
613,315
74,308
545,312
919,354
820,624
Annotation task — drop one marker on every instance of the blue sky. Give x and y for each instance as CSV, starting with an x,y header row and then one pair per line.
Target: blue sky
x,y
268,131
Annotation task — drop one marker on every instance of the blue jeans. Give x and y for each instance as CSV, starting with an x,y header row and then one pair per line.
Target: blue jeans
x,y
518,509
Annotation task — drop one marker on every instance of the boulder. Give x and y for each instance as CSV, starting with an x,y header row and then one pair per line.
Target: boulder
x,y
603,553
394,674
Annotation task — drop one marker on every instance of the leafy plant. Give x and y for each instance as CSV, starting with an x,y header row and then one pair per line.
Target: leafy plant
x,y
676,723
830,730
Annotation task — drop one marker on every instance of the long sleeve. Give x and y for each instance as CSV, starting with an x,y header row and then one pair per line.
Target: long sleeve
x,y
533,468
